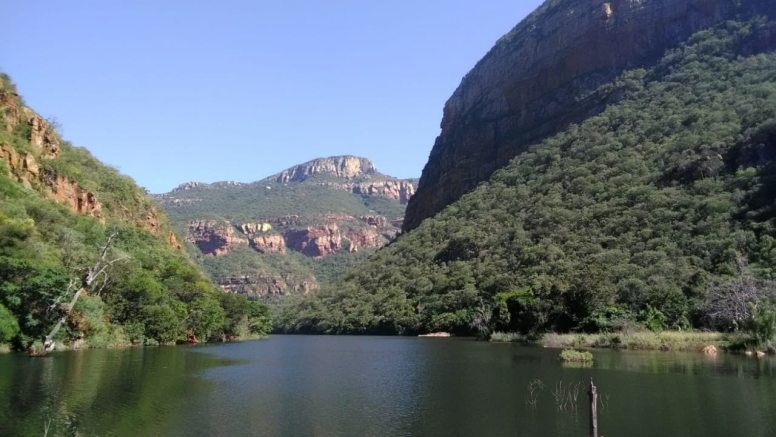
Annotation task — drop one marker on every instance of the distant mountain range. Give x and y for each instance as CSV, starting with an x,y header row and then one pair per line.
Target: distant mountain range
x,y
290,231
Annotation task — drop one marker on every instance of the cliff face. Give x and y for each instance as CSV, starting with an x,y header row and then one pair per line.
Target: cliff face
x,y
218,238
347,167
213,237
45,145
539,78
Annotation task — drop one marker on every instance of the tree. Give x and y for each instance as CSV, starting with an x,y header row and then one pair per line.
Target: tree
x,y
96,271
729,304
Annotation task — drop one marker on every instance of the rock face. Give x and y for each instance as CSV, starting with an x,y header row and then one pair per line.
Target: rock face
x,y
346,167
42,136
187,186
63,190
539,77
45,145
213,237
172,240
261,284
396,189
268,244
315,241
359,238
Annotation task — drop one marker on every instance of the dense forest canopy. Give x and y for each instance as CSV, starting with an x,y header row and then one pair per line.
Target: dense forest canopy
x,y
629,217
154,295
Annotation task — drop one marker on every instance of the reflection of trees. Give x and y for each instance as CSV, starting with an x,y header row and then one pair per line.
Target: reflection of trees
x,y
96,392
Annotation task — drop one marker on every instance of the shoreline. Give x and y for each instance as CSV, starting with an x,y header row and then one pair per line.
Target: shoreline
x,y
667,341
61,347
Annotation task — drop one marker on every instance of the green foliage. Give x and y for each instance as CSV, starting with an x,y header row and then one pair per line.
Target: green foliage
x,y
762,325
161,323
155,294
9,327
652,318
629,215
575,356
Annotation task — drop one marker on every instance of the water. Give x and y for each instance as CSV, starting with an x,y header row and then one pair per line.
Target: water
x,y
299,386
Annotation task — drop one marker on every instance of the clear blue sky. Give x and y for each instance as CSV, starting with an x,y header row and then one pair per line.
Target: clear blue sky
x,y
177,90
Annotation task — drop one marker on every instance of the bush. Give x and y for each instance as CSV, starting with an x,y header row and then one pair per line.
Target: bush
x,y
161,323
575,356
762,324
9,327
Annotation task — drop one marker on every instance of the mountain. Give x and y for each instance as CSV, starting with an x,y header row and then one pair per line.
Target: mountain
x,y
58,205
542,76
647,213
291,231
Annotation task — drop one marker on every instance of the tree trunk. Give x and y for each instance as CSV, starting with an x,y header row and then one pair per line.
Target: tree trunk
x,y
92,273
592,394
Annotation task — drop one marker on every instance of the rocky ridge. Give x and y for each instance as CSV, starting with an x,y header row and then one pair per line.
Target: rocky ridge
x,y
345,167
218,238
541,76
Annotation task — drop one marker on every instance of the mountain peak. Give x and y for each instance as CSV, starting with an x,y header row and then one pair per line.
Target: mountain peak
x,y
346,167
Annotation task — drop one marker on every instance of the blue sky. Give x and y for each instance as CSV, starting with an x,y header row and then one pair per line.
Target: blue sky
x,y
178,90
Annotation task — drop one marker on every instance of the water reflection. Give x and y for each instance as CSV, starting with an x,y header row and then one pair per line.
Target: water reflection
x,y
129,392
739,366
379,386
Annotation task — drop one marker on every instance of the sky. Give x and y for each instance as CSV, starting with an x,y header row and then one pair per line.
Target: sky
x,y
181,90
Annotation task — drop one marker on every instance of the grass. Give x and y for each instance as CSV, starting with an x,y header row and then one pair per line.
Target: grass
x,y
509,337
575,356
637,340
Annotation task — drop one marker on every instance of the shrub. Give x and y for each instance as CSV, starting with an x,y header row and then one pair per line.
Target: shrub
x,y
575,356
762,324
9,327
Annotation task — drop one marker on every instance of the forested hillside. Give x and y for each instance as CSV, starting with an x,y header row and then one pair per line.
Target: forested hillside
x,y
58,206
631,216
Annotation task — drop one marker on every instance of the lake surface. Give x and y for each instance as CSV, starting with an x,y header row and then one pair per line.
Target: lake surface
x,y
300,386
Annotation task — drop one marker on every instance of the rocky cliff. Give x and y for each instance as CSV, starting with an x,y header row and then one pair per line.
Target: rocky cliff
x,y
346,167
36,162
540,77
44,144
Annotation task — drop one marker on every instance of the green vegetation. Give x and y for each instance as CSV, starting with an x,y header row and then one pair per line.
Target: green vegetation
x,y
628,219
263,200
575,356
156,295
639,340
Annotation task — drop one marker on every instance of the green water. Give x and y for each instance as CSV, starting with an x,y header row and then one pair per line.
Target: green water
x,y
300,386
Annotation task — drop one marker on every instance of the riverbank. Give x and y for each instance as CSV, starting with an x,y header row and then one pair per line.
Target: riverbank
x,y
640,340
73,346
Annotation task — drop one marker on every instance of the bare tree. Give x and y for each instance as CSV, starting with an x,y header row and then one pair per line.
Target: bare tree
x,y
482,321
729,303
80,285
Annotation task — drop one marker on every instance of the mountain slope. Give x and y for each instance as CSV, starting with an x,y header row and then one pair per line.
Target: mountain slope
x,y
290,231
628,216
540,77
57,206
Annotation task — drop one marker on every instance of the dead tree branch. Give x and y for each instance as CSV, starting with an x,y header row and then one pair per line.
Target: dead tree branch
x,y
92,273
